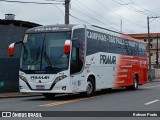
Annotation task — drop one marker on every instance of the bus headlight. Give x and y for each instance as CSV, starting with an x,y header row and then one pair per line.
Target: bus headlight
x,y
23,78
60,78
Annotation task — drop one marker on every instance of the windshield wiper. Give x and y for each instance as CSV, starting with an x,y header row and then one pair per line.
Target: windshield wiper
x,y
50,66
38,53
35,62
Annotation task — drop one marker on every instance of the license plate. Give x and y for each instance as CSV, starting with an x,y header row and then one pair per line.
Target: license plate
x,y
40,87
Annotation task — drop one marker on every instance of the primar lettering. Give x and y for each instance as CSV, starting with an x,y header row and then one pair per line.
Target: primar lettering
x,y
107,59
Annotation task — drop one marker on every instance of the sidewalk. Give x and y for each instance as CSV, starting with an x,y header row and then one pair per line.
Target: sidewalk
x,y
18,94
154,80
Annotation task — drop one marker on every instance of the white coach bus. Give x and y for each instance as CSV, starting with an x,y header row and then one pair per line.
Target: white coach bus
x,y
78,58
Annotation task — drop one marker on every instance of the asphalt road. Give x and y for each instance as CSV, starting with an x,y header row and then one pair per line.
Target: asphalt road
x,y
146,98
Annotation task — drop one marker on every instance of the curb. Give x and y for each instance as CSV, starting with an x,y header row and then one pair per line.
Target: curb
x,y
14,95
153,81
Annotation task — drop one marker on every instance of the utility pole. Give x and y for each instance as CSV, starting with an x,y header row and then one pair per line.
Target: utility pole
x,y
67,2
157,56
149,49
149,45
121,25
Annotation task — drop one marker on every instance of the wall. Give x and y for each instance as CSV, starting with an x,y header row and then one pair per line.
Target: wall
x,y
9,75
9,67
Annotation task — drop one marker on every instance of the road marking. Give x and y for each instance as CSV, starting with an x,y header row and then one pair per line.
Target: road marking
x,y
152,86
80,99
148,103
65,102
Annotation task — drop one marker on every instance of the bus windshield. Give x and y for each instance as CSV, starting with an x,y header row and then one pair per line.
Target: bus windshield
x,y
44,52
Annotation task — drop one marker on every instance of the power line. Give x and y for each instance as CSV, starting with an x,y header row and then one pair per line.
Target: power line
x,y
119,15
143,8
27,2
87,14
41,3
79,19
80,12
129,4
114,13
97,13
91,18
129,7
158,20
58,9
56,0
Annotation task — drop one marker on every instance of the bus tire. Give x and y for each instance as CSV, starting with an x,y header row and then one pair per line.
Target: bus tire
x,y
135,84
90,87
49,95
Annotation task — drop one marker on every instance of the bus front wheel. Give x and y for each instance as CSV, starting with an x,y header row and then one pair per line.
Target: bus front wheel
x,y
90,87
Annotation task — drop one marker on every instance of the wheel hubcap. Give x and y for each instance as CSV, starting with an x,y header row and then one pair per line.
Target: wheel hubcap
x,y
135,83
89,88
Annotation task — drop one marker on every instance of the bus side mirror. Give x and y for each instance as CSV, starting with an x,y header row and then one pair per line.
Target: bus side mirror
x,y
11,48
67,46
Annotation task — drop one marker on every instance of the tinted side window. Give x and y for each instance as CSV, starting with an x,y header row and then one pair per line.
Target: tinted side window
x,y
113,44
93,46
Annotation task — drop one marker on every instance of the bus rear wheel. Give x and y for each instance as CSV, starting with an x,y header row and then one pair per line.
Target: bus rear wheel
x,y
49,95
135,84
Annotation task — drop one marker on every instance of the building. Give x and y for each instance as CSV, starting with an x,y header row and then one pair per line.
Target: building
x,y
11,30
155,50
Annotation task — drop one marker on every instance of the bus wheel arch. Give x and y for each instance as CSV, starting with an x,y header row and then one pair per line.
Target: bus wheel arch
x,y
91,85
93,79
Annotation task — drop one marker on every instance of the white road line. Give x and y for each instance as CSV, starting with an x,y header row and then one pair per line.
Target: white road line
x,y
148,103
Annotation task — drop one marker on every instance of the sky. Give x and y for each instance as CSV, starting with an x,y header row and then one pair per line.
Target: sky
x,y
128,16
